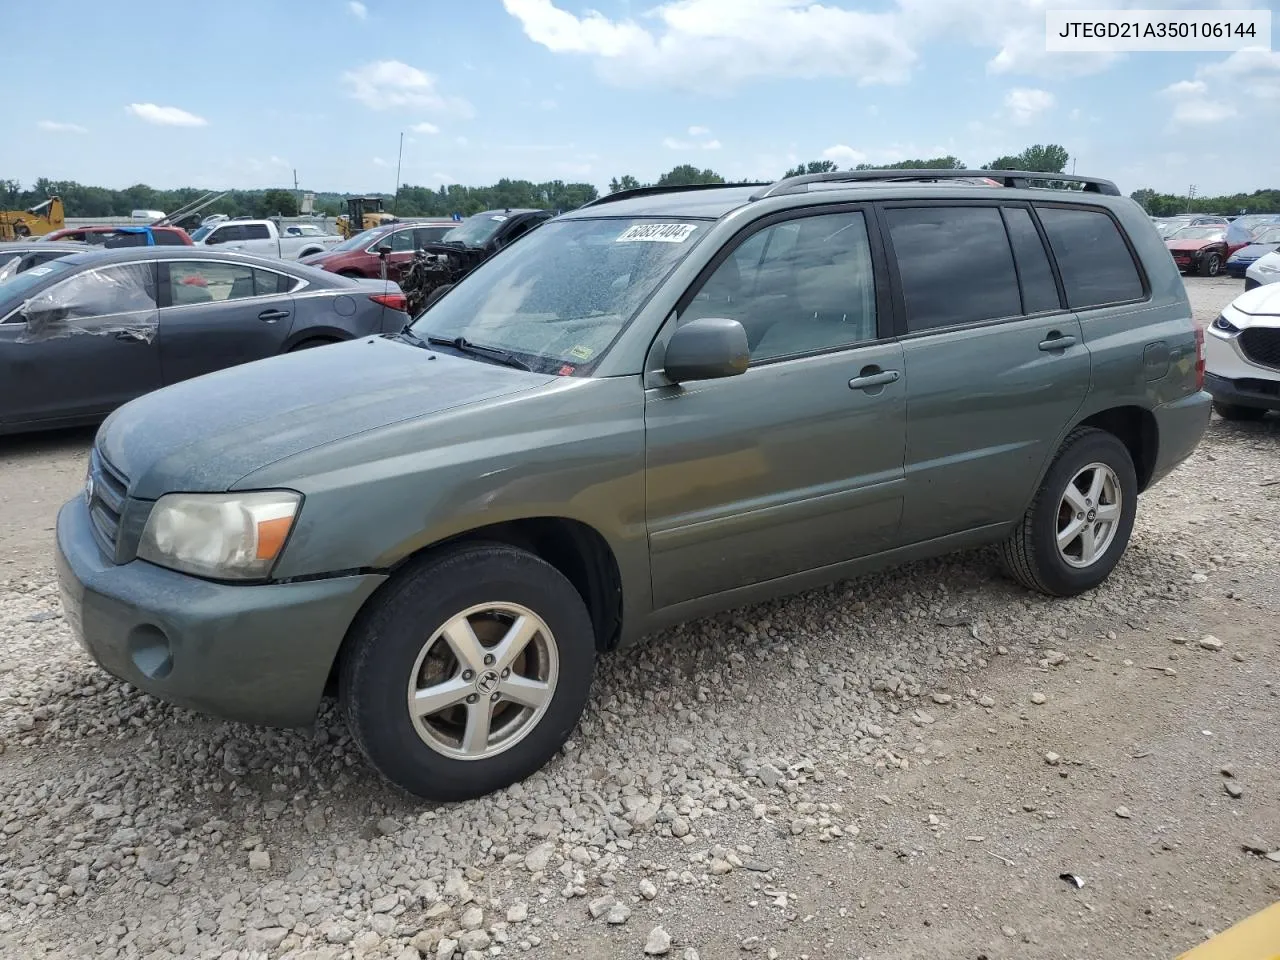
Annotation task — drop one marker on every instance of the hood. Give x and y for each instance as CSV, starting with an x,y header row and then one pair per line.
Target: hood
x,y
1261,301
1253,251
205,434
1192,245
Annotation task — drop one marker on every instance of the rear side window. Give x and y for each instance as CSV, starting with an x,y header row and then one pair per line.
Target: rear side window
x,y
166,238
256,231
1094,260
1039,292
955,265
267,282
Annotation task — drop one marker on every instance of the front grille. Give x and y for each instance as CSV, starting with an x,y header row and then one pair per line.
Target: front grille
x,y
1262,346
106,503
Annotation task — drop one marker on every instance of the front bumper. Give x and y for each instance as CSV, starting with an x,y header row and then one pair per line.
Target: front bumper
x,y
1246,392
1237,268
254,653
1179,424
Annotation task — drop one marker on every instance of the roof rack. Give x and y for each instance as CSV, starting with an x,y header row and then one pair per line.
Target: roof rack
x,y
679,188
1017,179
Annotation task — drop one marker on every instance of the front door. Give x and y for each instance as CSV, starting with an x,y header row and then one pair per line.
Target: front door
x,y
797,463
101,353
996,365
217,314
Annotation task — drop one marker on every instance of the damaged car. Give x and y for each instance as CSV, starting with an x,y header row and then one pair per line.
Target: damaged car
x,y
83,334
1200,249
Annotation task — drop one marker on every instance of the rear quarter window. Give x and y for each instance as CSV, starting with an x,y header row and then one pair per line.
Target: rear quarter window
x,y
1093,258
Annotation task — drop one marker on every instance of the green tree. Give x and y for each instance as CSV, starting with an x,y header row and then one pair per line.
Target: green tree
x,y
813,166
935,163
1040,158
281,203
625,182
687,173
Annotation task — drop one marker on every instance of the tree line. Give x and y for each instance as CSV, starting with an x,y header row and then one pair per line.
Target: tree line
x,y
81,200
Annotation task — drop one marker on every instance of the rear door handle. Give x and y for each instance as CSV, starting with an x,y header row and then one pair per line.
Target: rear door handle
x,y
1059,342
130,337
271,316
868,380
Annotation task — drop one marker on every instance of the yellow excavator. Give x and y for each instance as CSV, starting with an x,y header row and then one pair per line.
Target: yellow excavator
x,y
41,219
363,213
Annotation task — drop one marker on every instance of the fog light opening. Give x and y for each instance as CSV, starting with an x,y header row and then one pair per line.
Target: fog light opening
x,y
150,651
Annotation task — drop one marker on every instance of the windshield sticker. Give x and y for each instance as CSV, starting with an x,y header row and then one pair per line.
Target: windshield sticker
x,y
581,353
39,271
499,219
657,233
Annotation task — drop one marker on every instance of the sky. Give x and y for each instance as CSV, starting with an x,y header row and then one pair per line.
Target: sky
x,y
238,94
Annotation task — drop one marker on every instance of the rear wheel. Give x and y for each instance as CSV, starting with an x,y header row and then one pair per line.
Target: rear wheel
x,y
1077,527
468,672
1232,411
1211,265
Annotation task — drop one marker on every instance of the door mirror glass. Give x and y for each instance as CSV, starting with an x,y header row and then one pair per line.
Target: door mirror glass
x,y
707,348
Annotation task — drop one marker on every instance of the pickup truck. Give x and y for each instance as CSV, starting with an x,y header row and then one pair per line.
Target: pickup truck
x,y
263,238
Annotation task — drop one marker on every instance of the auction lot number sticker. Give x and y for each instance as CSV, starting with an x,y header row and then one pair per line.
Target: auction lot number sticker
x,y
1153,31
657,233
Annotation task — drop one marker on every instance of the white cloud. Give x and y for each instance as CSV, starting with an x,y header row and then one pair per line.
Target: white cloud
x,y
698,131
166,116
358,10
704,141
548,104
379,162
54,126
386,84
719,44
711,145
1251,75
425,127
461,141
1193,105
278,161
843,154
1025,104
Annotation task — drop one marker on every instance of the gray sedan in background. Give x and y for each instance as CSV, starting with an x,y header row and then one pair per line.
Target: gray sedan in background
x,y
19,256
85,333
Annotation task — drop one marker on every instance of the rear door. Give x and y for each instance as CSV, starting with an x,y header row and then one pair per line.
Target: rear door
x,y
102,353
996,365
216,314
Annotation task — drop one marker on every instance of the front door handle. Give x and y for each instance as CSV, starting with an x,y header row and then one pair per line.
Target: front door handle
x,y
130,337
873,377
271,316
1057,341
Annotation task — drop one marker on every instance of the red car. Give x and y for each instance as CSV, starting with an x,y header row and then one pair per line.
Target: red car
x,y
1202,249
115,236
358,256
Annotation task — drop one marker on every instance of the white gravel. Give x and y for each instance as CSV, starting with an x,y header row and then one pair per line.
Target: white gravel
x,y
129,828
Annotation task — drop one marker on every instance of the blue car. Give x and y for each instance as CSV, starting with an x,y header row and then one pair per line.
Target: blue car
x,y
1265,240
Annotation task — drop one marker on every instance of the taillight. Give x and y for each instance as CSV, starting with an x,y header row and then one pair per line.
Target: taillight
x,y
1199,357
396,301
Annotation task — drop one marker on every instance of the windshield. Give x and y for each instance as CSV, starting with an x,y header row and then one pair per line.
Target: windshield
x,y
16,285
559,297
1267,235
476,231
359,240
1199,233
203,231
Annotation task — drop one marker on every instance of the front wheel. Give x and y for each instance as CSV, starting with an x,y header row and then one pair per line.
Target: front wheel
x,y
1232,411
468,671
1211,265
1078,526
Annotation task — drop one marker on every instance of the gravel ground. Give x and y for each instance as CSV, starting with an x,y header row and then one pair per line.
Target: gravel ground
x,y
899,766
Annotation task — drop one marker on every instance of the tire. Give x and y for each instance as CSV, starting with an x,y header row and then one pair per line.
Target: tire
x,y
1211,265
1231,411
1031,554
312,343
398,641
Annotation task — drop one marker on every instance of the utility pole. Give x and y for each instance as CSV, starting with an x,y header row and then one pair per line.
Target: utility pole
x,y
1191,195
297,197
395,203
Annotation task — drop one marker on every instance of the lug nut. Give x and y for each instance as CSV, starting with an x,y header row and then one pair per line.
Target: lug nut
x,y
488,659
494,698
506,673
472,699
468,674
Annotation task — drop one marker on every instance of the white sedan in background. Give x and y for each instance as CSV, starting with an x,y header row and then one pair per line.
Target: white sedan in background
x,y
1262,271
1242,353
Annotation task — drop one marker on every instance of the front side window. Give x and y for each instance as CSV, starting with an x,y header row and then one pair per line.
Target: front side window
x,y
227,234
797,287
120,298
955,264
208,281
402,241
1094,260
559,298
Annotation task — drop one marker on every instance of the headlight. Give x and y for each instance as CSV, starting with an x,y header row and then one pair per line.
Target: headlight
x,y
1225,325
225,536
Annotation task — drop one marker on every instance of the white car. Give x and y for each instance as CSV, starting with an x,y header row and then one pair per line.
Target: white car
x,y
1242,355
1264,270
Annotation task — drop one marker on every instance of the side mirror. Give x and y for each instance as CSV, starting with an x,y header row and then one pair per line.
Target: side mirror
x,y
40,322
384,249
707,349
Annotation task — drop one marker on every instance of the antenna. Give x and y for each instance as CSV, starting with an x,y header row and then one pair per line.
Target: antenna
x,y
395,203
297,197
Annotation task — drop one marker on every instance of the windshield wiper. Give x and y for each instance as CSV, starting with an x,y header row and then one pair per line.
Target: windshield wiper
x,y
406,333
463,345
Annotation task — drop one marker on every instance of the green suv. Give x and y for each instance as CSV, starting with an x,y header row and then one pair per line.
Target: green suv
x,y
662,404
